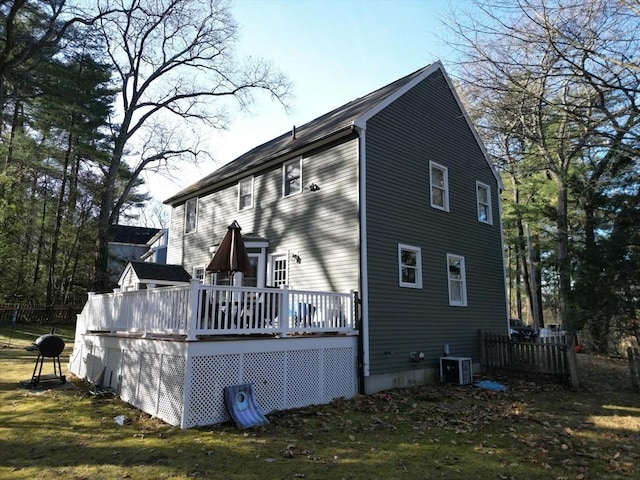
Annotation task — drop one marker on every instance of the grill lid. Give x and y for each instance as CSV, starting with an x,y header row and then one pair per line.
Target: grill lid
x,y
49,345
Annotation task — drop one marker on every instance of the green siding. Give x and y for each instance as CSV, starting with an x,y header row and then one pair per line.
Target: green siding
x,y
321,227
423,125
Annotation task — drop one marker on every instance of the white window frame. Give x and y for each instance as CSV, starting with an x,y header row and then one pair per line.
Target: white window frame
x,y
444,188
461,282
286,183
482,205
418,266
242,182
199,273
186,216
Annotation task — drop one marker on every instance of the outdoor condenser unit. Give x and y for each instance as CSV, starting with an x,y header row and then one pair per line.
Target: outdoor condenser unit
x,y
456,370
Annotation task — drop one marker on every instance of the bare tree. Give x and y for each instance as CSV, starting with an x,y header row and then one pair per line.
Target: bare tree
x,y
176,72
558,80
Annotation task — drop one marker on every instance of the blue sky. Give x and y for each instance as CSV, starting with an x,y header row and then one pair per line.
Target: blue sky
x,y
332,51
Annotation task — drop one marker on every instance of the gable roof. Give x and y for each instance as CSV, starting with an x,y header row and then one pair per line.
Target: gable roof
x,y
149,272
341,121
338,121
132,235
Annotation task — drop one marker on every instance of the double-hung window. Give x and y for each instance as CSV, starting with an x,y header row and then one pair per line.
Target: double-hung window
x,y
409,266
198,274
457,281
191,215
483,193
292,177
439,186
245,193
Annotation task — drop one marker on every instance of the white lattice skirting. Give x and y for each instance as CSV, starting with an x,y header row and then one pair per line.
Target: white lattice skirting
x,y
182,382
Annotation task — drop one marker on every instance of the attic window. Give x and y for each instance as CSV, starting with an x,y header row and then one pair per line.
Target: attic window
x,y
292,177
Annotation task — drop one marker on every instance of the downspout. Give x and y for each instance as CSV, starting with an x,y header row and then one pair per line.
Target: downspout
x,y
364,274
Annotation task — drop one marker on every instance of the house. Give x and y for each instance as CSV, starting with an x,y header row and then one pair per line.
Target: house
x,y
391,195
375,236
141,275
127,243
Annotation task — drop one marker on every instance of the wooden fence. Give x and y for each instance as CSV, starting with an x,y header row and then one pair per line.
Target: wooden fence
x,y
552,357
634,367
37,314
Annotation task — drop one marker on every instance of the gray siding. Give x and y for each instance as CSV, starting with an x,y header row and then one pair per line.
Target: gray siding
x,y
321,227
426,125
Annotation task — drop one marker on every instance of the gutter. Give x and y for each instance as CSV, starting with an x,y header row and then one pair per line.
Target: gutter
x,y
364,272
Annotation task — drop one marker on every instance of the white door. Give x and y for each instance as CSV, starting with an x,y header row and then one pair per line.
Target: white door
x,y
278,271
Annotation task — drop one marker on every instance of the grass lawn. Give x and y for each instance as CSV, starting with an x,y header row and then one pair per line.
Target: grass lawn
x,y
532,431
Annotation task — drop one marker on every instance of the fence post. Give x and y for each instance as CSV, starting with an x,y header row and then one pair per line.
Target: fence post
x,y
483,353
634,359
572,361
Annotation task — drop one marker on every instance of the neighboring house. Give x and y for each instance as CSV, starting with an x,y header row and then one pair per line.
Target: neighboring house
x,y
391,195
127,243
157,247
141,275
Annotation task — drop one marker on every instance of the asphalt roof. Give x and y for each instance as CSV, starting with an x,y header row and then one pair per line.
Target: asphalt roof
x,y
160,271
335,121
129,234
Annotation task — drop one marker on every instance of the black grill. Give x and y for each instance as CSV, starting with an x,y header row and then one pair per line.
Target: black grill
x,y
47,346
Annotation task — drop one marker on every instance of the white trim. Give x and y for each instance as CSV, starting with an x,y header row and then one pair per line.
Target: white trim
x,y
489,220
361,121
418,267
428,71
444,207
463,275
361,155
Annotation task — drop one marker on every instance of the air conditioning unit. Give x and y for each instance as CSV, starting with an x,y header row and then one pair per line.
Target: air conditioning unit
x,y
456,370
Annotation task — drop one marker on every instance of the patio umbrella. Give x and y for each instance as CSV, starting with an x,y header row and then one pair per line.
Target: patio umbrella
x,y
231,255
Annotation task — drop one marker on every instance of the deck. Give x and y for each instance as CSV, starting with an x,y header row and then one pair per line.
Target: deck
x,y
171,351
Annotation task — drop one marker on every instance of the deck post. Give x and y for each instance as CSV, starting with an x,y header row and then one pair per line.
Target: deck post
x,y
192,310
284,310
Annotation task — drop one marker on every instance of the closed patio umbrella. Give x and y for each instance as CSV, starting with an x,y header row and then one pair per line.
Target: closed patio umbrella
x,y
231,255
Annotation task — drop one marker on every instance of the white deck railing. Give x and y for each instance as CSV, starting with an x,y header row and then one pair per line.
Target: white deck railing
x,y
200,310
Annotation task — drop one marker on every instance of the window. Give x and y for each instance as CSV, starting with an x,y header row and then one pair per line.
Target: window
x,y
409,266
457,281
198,274
278,270
292,178
252,280
484,203
245,193
439,186
191,215
221,278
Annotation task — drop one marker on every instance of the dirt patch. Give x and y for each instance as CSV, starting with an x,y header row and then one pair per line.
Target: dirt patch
x,y
603,373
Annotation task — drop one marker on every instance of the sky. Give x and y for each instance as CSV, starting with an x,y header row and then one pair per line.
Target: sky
x,y
332,51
